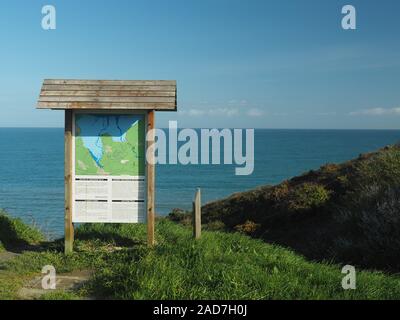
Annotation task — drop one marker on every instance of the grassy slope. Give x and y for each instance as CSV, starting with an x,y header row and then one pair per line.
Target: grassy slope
x,y
219,266
14,233
347,212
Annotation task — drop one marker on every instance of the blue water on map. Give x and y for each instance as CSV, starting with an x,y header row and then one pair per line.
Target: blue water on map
x,y
32,168
91,127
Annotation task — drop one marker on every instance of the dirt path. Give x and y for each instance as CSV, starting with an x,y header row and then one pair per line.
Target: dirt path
x,y
64,282
32,289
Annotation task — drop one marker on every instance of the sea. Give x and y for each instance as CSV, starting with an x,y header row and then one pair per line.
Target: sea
x,y
32,169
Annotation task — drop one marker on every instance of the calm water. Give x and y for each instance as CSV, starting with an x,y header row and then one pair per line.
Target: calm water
x,y
32,168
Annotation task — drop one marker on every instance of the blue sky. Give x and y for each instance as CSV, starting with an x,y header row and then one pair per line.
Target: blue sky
x,y
258,64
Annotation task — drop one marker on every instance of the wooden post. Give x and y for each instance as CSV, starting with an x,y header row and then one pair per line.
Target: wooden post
x,y
150,167
197,215
69,228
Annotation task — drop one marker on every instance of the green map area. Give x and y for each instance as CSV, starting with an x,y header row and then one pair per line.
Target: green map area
x,y
109,145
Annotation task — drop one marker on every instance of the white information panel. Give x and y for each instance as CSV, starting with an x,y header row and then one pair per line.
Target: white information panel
x,y
109,183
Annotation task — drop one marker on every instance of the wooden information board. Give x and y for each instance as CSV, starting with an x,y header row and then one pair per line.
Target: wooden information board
x,y
107,134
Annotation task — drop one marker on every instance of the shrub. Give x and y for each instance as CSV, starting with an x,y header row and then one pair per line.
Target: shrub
x,y
330,168
373,224
382,168
249,227
179,215
343,180
280,192
308,196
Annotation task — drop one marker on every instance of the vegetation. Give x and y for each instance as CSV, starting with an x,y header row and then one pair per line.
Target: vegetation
x,y
249,227
308,196
15,233
340,214
218,266
60,295
349,212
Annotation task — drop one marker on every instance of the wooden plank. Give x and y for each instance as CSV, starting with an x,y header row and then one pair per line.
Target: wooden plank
x,y
60,94
109,93
68,87
111,82
150,172
197,215
69,228
113,106
107,99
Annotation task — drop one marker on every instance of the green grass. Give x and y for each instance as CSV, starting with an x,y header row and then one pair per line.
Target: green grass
x,y
60,295
227,266
14,232
218,266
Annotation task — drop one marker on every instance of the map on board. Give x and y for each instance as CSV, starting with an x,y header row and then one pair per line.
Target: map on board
x,y
109,144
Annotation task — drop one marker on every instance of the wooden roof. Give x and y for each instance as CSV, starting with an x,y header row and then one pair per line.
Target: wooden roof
x,y
108,94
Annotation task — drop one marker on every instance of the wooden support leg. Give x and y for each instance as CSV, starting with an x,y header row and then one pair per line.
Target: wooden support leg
x,y
69,228
150,182
197,215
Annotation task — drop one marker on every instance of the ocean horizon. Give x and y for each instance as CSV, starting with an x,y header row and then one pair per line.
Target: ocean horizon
x,y
32,168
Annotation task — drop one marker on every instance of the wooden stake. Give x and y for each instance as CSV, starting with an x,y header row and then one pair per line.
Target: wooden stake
x,y
150,181
69,227
197,215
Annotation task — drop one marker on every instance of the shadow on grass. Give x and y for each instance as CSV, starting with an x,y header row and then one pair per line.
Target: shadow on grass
x,y
109,236
18,248
15,236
